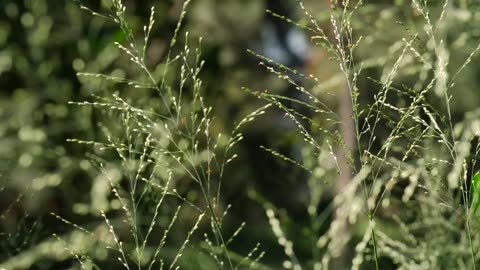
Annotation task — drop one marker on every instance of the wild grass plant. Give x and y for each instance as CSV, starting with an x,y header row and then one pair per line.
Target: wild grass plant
x,y
410,163
392,171
171,166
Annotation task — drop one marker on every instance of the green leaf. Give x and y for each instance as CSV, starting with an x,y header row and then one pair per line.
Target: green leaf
x,y
476,192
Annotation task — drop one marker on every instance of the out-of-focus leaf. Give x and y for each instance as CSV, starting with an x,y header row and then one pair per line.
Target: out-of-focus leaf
x,y
476,192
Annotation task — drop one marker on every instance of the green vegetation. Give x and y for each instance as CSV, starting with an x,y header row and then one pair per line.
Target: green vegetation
x,y
164,135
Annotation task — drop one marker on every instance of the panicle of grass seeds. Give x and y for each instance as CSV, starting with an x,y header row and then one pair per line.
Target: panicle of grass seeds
x,y
397,251
287,245
73,224
94,13
141,161
462,149
72,253
164,237
190,233
381,97
153,221
147,30
249,256
123,258
212,248
285,158
235,234
465,64
254,263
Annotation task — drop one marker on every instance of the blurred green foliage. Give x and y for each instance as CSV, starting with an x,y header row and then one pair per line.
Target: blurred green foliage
x,y
44,43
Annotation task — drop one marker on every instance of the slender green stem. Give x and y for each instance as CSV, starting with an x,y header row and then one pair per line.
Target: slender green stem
x,y
472,251
374,243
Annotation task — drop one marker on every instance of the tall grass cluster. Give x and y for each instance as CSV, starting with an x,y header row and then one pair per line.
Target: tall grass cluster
x,y
391,174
